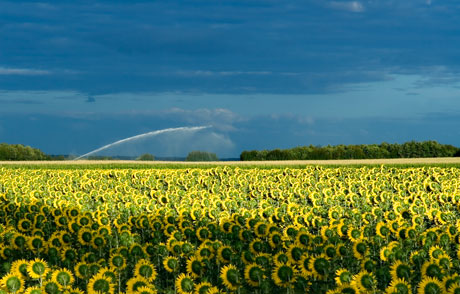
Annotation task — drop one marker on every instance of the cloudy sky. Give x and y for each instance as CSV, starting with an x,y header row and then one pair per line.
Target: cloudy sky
x,y
77,75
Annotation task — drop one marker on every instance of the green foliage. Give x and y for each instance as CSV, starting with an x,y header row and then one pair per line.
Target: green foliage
x,y
410,149
201,156
20,152
146,157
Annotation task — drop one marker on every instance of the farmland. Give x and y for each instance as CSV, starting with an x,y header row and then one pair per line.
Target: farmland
x,y
273,228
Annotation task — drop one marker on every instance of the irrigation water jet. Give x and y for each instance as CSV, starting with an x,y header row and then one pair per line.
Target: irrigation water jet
x,y
148,134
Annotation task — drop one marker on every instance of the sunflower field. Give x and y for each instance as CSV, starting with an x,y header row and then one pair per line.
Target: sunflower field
x,y
230,230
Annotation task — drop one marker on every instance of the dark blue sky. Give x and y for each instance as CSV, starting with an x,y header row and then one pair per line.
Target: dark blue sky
x,y
76,75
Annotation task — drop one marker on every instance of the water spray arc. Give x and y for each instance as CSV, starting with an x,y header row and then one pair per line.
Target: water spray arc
x,y
149,134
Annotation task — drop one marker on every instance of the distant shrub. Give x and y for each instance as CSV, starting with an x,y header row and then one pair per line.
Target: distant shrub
x,y
146,157
410,149
201,156
20,152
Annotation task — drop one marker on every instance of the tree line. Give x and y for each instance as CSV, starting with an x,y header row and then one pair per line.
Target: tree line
x,y
410,149
21,152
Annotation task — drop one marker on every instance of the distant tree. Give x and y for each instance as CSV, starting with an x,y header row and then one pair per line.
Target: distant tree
x,y
146,157
410,149
20,152
201,156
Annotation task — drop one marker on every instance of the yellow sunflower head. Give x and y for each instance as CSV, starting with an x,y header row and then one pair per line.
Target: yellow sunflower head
x,y
230,277
431,269
117,261
284,275
184,284
145,290
400,270
224,254
171,264
365,281
133,284
202,288
34,290
399,286
195,267
319,266
99,283
20,267
12,283
37,268
430,285
145,269
254,274
63,278
343,276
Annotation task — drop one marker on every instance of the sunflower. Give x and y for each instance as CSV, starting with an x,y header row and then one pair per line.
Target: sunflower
x,y
204,252
133,284
445,261
399,286
400,270
347,289
343,276
365,281
295,252
247,257
330,251
274,239
34,290
354,234
253,274
431,269
118,262
12,282
20,267
256,246
303,238
184,284
37,268
284,275
85,236
436,251
194,267
136,251
98,242
280,258
214,290
82,270
448,281
24,225
430,285
145,290
224,254
51,287
319,266
382,229
230,277
19,241
202,288
100,284
146,270
360,249
261,229
171,264
63,278
454,289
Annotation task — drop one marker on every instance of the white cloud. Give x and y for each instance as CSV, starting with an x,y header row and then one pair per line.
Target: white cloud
x,y
352,6
9,71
